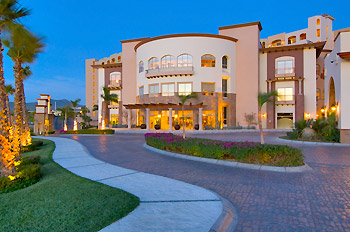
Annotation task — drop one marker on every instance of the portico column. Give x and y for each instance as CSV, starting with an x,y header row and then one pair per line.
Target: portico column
x,y
147,118
299,87
170,119
129,119
200,119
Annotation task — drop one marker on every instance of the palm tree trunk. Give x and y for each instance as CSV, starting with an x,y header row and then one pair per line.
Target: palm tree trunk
x,y
183,122
18,121
7,106
26,128
3,97
262,141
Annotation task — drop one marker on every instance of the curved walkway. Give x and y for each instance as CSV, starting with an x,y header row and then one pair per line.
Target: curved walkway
x,y
318,200
165,204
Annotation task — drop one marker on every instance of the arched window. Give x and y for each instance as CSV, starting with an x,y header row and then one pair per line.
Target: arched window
x,y
108,62
302,36
184,60
318,69
292,40
113,60
208,61
103,63
114,78
276,43
141,67
263,44
318,21
119,58
153,63
318,94
168,61
224,62
284,65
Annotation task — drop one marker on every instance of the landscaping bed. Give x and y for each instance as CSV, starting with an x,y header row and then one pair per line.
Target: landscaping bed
x,y
90,131
62,201
245,152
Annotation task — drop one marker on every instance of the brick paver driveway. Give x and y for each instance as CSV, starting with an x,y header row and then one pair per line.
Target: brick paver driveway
x,y
266,201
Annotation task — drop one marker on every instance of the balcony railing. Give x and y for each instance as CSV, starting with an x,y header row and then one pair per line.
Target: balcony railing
x,y
115,84
163,72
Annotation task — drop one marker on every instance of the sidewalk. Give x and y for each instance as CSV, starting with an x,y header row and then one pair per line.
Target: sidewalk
x,y
165,204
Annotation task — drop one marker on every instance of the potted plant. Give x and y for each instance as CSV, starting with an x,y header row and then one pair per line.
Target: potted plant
x,y
177,127
143,126
157,126
196,126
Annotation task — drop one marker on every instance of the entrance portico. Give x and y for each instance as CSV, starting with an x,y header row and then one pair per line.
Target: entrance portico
x,y
167,115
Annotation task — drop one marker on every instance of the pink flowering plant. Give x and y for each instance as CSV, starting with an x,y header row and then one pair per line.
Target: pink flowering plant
x,y
246,152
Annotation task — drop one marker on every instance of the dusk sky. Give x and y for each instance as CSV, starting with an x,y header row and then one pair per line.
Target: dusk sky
x,y
81,29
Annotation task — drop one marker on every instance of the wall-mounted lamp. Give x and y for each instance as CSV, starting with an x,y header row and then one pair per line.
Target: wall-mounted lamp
x,y
307,115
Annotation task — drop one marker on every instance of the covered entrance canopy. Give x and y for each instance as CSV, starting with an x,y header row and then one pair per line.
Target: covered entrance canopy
x,y
169,107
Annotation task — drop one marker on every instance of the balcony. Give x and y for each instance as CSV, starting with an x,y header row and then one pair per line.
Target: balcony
x,y
113,105
115,85
284,72
285,100
173,71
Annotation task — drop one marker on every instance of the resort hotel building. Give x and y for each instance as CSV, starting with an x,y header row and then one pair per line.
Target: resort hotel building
x,y
309,69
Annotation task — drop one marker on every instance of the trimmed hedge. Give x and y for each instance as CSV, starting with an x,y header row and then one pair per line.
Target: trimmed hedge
x,y
33,146
27,173
91,131
245,152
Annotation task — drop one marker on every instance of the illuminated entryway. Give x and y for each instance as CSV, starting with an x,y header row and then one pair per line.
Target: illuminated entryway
x,y
284,120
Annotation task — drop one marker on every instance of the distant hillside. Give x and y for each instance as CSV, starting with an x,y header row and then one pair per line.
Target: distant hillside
x,y
59,104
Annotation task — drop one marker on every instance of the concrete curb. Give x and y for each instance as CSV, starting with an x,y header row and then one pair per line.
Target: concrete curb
x,y
194,132
288,141
259,167
165,204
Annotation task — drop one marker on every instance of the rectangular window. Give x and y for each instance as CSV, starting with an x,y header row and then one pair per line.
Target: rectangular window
x,y
168,89
93,83
208,89
93,77
224,115
93,98
285,94
154,90
224,87
327,29
185,88
93,91
93,113
318,32
93,69
285,67
141,91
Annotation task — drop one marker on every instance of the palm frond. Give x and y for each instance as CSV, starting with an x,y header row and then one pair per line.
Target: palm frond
x,y
266,97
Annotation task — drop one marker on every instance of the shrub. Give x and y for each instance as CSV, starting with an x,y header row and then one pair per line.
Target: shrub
x,y
32,147
247,152
51,132
91,131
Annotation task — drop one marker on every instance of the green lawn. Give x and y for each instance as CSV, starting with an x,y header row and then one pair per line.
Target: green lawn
x,y
62,201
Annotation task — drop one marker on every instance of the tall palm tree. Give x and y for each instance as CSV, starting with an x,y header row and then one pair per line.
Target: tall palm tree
x,y
183,99
75,104
107,99
9,91
24,47
26,73
10,13
262,99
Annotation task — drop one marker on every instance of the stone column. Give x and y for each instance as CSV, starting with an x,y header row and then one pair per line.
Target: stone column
x,y
129,119
170,119
147,118
200,119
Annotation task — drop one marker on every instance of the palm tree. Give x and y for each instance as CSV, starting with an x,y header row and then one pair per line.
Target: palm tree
x,y
66,112
262,99
9,91
107,99
26,74
75,104
183,100
10,13
24,47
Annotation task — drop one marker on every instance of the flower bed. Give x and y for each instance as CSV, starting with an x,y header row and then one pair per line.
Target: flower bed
x,y
27,173
91,131
245,152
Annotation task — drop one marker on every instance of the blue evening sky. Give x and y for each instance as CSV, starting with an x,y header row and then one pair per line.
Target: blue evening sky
x,y
76,30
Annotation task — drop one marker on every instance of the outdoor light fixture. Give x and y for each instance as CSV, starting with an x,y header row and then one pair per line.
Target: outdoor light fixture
x,y
65,127
175,115
333,108
263,115
159,116
323,110
307,115
103,126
